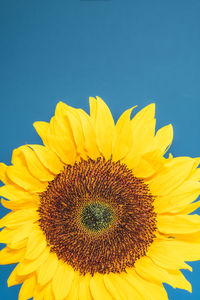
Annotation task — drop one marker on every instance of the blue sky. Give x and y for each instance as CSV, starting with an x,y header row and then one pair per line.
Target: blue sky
x,y
127,52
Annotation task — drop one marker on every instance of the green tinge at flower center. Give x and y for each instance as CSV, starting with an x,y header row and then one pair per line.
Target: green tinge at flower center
x,y
96,217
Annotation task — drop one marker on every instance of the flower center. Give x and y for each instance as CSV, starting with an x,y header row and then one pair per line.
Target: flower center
x,y
96,216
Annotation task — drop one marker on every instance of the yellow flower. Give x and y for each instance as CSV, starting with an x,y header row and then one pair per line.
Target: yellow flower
x,y
98,212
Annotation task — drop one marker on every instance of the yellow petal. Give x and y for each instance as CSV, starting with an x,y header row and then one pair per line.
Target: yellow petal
x,y
26,266
36,244
98,288
62,125
27,288
48,292
74,290
14,192
66,126
11,256
63,147
178,224
62,281
19,204
143,128
24,179
14,278
17,218
149,290
89,135
171,176
17,245
178,199
188,251
25,155
196,175
150,271
93,108
143,169
113,288
190,208
177,280
42,130
15,235
47,269
84,288
120,288
3,175
143,125
163,138
43,293
169,255
193,238
149,164
124,136
104,126
72,117
48,158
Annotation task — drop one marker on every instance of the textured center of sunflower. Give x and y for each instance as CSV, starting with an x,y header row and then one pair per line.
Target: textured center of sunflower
x,y
97,216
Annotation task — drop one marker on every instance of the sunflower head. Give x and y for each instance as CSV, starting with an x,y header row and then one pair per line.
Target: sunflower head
x,y
98,211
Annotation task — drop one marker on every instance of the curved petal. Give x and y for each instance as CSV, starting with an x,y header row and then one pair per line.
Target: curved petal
x,y
174,173
143,130
171,254
84,287
98,288
48,158
24,155
190,208
26,266
89,135
124,136
47,269
149,271
36,244
19,204
163,138
178,224
15,235
11,256
3,176
178,199
17,218
104,126
120,288
63,147
62,281
71,123
113,288
14,278
74,290
27,288
44,292
42,130
14,192
179,281
148,290
20,176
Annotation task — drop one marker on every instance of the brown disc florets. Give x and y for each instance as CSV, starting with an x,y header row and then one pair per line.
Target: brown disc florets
x,y
97,216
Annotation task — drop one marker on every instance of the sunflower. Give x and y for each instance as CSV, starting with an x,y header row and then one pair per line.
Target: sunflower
x,y
98,212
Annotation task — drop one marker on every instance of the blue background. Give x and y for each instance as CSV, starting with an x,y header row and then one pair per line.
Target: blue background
x,y
126,52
